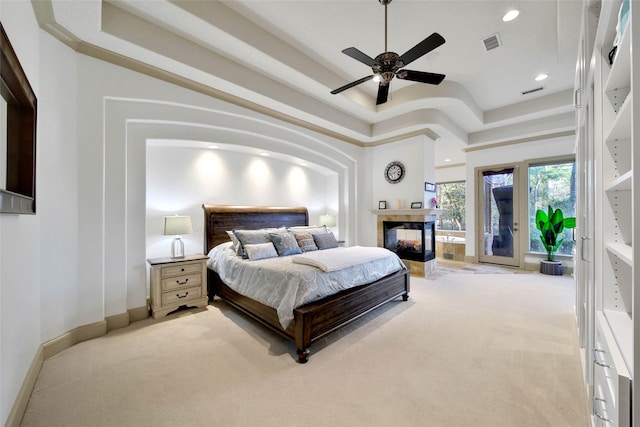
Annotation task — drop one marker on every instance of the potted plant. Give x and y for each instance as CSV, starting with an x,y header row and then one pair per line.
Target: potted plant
x,y
551,224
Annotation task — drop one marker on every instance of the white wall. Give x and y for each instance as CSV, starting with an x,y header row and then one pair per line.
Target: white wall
x,y
39,288
180,180
416,154
451,174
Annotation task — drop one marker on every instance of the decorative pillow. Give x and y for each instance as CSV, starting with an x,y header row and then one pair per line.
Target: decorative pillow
x,y
252,237
260,251
306,242
237,248
325,241
311,229
285,243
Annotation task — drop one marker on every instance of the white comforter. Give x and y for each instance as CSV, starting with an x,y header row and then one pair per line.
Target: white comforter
x,y
284,285
344,258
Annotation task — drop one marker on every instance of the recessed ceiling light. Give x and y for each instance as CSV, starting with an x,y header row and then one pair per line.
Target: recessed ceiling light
x,y
447,160
213,147
541,77
264,154
511,15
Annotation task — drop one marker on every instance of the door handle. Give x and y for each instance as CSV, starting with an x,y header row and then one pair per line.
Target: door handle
x,y
577,98
583,240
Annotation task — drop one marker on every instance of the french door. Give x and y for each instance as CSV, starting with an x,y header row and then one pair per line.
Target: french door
x,y
498,213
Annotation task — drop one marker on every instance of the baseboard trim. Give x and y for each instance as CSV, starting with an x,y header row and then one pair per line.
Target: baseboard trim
x,y
74,336
125,319
63,342
117,321
22,399
139,313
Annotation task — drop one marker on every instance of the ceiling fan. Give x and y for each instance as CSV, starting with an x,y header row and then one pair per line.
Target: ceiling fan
x,y
388,65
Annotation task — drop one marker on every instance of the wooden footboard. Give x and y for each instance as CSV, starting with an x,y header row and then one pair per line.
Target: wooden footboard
x,y
311,321
317,319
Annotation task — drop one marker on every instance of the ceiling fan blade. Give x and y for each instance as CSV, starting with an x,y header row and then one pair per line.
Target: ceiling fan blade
x,y
383,93
360,56
424,47
420,76
352,84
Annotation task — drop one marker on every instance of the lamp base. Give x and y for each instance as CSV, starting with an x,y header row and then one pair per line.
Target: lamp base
x,y
177,248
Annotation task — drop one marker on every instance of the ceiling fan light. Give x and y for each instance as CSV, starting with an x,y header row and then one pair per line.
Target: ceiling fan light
x,y
377,78
511,15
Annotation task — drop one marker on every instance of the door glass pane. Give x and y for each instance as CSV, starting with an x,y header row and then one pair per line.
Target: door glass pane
x,y
498,212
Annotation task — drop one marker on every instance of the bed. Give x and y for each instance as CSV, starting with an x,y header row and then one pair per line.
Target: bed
x,y
313,320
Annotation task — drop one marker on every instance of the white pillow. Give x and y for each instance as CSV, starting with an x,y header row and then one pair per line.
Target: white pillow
x,y
311,229
258,251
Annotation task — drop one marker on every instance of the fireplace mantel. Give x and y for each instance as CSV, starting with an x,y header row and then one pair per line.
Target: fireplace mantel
x,y
407,211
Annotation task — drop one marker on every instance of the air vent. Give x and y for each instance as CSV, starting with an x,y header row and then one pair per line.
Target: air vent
x,y
527,92
491,42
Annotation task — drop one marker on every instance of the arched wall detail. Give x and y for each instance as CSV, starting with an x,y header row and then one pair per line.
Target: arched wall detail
x,y
129,123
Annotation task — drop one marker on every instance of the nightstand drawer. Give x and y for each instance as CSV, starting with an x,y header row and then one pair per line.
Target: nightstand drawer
x,y
181,282
182,269
181,296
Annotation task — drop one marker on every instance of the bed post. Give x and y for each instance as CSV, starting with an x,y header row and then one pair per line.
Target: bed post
x,y
302,336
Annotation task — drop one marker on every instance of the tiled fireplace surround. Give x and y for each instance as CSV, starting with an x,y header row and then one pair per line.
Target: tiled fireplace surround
x,y
418,268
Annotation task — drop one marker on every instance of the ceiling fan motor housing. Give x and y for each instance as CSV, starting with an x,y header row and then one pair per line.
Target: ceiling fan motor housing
x,y
388,63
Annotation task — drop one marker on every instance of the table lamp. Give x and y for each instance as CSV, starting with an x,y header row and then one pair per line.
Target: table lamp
x,y
328,220
176,226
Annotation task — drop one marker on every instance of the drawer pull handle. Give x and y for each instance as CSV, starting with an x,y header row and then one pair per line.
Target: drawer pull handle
x,y
183,296
182,283
595,358
602,417
595,409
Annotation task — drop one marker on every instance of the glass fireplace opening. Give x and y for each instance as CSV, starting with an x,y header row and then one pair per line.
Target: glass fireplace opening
x,y
413,241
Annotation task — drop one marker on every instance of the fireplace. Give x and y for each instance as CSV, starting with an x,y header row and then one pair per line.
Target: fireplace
x,y
411,240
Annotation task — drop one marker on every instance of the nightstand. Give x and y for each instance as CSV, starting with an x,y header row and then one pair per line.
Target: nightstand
x,y
176,282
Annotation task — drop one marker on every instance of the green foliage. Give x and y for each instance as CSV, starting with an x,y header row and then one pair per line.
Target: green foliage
x,y
550,224
551,184
451,197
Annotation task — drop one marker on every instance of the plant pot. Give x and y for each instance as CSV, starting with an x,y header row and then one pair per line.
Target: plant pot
x,y
553,268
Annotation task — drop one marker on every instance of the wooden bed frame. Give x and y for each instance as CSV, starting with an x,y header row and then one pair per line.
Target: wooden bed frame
x,y
311,321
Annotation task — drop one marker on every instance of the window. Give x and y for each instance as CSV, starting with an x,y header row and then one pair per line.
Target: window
x,y
451,198
551,184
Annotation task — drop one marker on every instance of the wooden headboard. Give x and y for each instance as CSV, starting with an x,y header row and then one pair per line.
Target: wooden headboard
x,y
219,219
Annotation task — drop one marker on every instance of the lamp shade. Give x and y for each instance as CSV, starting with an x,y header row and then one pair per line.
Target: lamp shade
x,y
177,225
328,220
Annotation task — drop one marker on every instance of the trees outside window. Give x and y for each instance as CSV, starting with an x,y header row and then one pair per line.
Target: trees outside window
x,y
551,185
451,198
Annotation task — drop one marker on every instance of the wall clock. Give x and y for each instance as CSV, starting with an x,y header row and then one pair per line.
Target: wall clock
x,y
394,172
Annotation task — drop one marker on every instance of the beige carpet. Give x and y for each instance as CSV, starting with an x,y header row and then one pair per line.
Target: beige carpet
x,y
465,350
445,267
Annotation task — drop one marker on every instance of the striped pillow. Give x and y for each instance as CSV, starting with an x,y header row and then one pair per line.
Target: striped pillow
x,y
306,242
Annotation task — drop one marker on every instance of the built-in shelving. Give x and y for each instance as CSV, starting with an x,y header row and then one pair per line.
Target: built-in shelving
x,y
615,134
617,175
622,251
